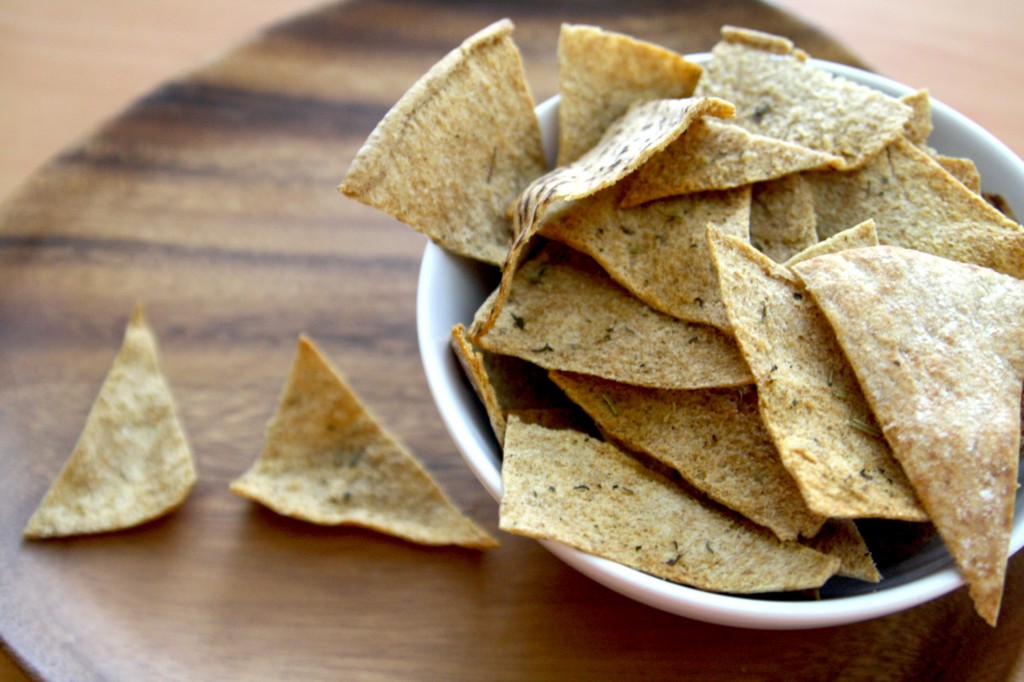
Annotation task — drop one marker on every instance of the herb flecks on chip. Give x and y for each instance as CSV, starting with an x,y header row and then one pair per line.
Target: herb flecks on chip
x,y
714,438
658,250
938,347
132,462
808,394
463,141
794,100
644,130
328,461
576,318
602,73
565,486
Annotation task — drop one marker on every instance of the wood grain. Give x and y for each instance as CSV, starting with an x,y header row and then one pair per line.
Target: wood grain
x,y
213,200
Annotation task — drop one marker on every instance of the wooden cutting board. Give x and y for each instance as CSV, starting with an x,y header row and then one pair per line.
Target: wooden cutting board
x,y
213,201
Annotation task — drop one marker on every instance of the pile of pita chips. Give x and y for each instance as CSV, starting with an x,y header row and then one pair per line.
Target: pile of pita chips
x,y
328,461
132,462
725,233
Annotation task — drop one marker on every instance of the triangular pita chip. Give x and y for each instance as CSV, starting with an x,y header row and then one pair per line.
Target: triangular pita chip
x,y
919,126
328,461
132,462
782,217
808,394
714,155
658,251
462,142
918,205
938,347
857,236
794,100
641,132
601,73
842,539
564,486
566,313
714,438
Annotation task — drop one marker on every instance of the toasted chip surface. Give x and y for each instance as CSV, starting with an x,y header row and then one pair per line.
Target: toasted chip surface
x,y
809,397
566,313
714,438
864,234
842,539
132,462
918,205
658,250
716,155
601,73
328,461
463,141
792,99
938,347
564,486
782,217
641,132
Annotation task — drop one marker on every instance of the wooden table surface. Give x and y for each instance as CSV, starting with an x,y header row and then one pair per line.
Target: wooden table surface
x,y
212,199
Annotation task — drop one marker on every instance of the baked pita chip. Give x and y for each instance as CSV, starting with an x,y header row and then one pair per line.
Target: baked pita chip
x,y
505,383
809,397
793,100
782,217
964,170
916,204
842,539
328,461
714,438
566,313
658,251
857,236
132,462
714,155
567,487
644,130
938,347
602,73
919,126
463,141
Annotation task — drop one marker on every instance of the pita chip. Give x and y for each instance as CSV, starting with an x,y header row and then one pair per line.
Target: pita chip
x,y
644,130
566,313
793,100
842,539
568,487
714,438
782,217
938,347
943,217
132,462
601,73
328,461
808,395
857,236
463,141
714,155
657,251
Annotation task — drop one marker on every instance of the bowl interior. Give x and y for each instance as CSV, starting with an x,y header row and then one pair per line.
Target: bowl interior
x,y
450,290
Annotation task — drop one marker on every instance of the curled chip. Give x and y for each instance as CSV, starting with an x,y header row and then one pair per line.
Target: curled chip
x,y
601,74
132,463
328,461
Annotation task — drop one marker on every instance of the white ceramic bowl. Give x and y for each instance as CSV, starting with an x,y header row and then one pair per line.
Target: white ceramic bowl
x,y
451,289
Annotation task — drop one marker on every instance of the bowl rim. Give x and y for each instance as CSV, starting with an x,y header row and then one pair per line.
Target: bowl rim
x,y
473,438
